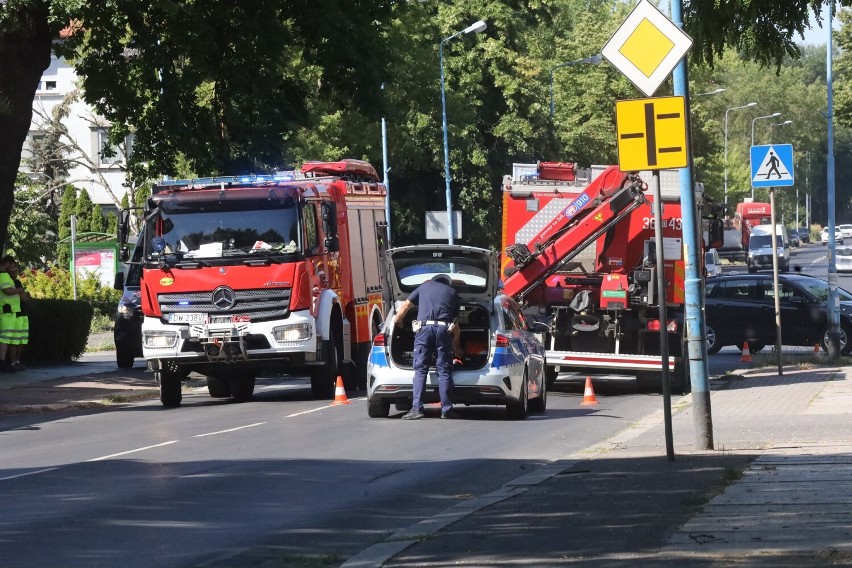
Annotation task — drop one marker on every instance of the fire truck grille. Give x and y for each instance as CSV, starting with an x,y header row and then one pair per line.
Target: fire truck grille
x,y
258,305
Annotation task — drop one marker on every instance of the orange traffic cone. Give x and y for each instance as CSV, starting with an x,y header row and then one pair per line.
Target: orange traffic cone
x,y
340,393
817,350
746,358
589,394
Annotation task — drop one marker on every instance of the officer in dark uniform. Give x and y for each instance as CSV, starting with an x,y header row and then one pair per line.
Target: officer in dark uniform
x,y
437,310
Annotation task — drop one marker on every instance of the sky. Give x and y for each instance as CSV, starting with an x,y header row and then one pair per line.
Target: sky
x,y
817,35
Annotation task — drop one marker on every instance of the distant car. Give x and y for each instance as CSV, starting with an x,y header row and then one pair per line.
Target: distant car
x,y
504,362
804,235
838,236
127,332
843,258
845,230
793,238
712,262
741,308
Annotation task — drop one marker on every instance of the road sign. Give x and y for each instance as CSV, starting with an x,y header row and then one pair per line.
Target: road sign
x,y
647,47
772,166
651,133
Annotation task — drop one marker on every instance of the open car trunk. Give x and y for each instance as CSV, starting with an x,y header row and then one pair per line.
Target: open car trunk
x,y
475,339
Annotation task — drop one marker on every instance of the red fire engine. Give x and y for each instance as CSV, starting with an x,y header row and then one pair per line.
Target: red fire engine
x,y
580,255
268,273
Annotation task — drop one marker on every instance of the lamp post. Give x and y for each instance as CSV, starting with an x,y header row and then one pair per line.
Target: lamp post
x,y
773,115
716,92
475,27
785,123
593,59
726,147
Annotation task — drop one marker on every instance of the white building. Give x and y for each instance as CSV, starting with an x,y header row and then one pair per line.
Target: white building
x,y
103,177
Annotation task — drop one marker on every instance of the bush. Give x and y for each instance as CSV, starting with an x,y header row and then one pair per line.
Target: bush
x,y
59,329
56,284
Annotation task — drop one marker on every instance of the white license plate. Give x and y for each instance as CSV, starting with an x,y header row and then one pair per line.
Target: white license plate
x,y
188,318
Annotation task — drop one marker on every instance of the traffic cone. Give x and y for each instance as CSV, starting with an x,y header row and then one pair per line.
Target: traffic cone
x,y
817,350
340,393
589,394
746,358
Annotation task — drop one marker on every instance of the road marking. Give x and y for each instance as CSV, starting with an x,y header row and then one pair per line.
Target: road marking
x,y
28,473
322,408
132,451
230,430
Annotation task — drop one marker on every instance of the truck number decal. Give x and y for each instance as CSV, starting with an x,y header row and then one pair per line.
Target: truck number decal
x,y
675,223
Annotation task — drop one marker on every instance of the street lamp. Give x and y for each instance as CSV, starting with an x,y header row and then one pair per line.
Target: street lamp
x,y
593,59
785,123
475,27
773,115
716,92
726,147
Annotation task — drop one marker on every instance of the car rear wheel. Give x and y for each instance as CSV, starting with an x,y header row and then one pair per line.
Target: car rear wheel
x,y
124,355
378,408
518,410
713,343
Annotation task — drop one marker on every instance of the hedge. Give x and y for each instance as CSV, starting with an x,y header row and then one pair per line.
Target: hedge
x,y
59,329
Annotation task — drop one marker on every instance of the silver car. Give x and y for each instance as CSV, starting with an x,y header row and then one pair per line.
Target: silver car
x,y
503,361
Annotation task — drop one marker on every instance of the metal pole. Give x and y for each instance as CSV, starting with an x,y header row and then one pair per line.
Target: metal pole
x,y
74,256
833,339
775,280
694,299
385,170
449,194
661,300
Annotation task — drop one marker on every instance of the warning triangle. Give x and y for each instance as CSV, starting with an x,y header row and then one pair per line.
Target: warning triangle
x,y
772,168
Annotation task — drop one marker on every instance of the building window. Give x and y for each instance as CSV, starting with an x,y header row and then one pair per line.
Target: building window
x,y
109,154
50,85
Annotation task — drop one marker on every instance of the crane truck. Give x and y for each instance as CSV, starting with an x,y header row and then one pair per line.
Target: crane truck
x,y
262,273
580,256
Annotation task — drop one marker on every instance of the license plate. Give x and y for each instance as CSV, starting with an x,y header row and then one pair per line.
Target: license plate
x,y
188,318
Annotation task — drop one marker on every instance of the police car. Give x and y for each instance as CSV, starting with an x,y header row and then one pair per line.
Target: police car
x,y
503,361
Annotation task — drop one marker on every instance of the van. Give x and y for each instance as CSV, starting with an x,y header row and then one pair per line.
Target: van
x,y
760,248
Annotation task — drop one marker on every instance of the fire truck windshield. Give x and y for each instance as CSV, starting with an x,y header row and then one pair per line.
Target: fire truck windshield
x,y
225,229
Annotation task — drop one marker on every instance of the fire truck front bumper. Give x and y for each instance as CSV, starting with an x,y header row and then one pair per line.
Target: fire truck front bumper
x,y
293,340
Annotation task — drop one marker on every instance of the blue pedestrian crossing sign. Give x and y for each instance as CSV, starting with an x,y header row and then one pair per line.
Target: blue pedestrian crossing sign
x,y
772,166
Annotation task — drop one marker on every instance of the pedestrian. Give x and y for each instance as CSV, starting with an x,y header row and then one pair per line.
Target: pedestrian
x,y
10,304
438,307
22,320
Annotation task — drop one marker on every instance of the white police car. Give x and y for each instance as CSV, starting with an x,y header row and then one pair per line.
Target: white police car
x,y
503,361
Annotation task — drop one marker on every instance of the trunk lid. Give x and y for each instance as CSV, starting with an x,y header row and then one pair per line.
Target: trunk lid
x,y
473,270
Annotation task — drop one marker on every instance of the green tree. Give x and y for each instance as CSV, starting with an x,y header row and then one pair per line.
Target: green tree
x,y
32,231
84,212
66,209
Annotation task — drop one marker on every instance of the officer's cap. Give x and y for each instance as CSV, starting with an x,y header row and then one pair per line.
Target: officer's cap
x,y
442,278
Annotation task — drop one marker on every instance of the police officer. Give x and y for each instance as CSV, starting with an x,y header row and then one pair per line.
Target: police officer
x,y
437,310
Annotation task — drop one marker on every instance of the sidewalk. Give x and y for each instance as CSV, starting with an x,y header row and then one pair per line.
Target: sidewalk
x,y
94,380
777,491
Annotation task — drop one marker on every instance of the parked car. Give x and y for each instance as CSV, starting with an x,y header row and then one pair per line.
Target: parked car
x,y
712,262
838,236
845,230
741,308
127,332
793,238
843,258
504,362
804,235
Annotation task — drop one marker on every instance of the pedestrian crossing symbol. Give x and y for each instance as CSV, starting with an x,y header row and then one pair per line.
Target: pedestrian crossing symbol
x,y
772,166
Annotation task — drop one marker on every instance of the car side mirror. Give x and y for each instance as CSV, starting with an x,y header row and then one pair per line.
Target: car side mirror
x,y
540,327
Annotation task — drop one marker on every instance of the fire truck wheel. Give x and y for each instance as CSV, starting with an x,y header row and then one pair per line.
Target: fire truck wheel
x,y
218,387
378,408
241,385
324,378
550,374
170,388
517,410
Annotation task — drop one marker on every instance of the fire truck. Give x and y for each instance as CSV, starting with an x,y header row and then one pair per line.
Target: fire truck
x,y
747,216
580,256
263,274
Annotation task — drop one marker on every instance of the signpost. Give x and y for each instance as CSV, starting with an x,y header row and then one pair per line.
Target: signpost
x,y
772,166
652,134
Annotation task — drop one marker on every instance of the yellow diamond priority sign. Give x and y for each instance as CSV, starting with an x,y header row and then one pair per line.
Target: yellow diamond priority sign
x,y
647,47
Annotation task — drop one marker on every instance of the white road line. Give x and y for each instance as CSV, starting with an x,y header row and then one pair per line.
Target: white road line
x,y
132,451
29,473
322,408
230,430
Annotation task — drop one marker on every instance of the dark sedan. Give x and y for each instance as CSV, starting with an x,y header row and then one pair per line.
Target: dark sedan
x,y
741,308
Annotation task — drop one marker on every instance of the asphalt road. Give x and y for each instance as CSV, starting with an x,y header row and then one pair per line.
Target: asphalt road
x,y
145,486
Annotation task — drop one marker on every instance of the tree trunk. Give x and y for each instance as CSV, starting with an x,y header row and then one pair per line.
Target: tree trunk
x,y
25,45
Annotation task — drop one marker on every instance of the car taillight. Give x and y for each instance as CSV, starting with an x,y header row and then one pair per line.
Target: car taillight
x,y
502,340
379,340
654,325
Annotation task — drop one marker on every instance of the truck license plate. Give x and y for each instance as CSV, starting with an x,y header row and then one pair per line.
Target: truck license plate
x,y
188,318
